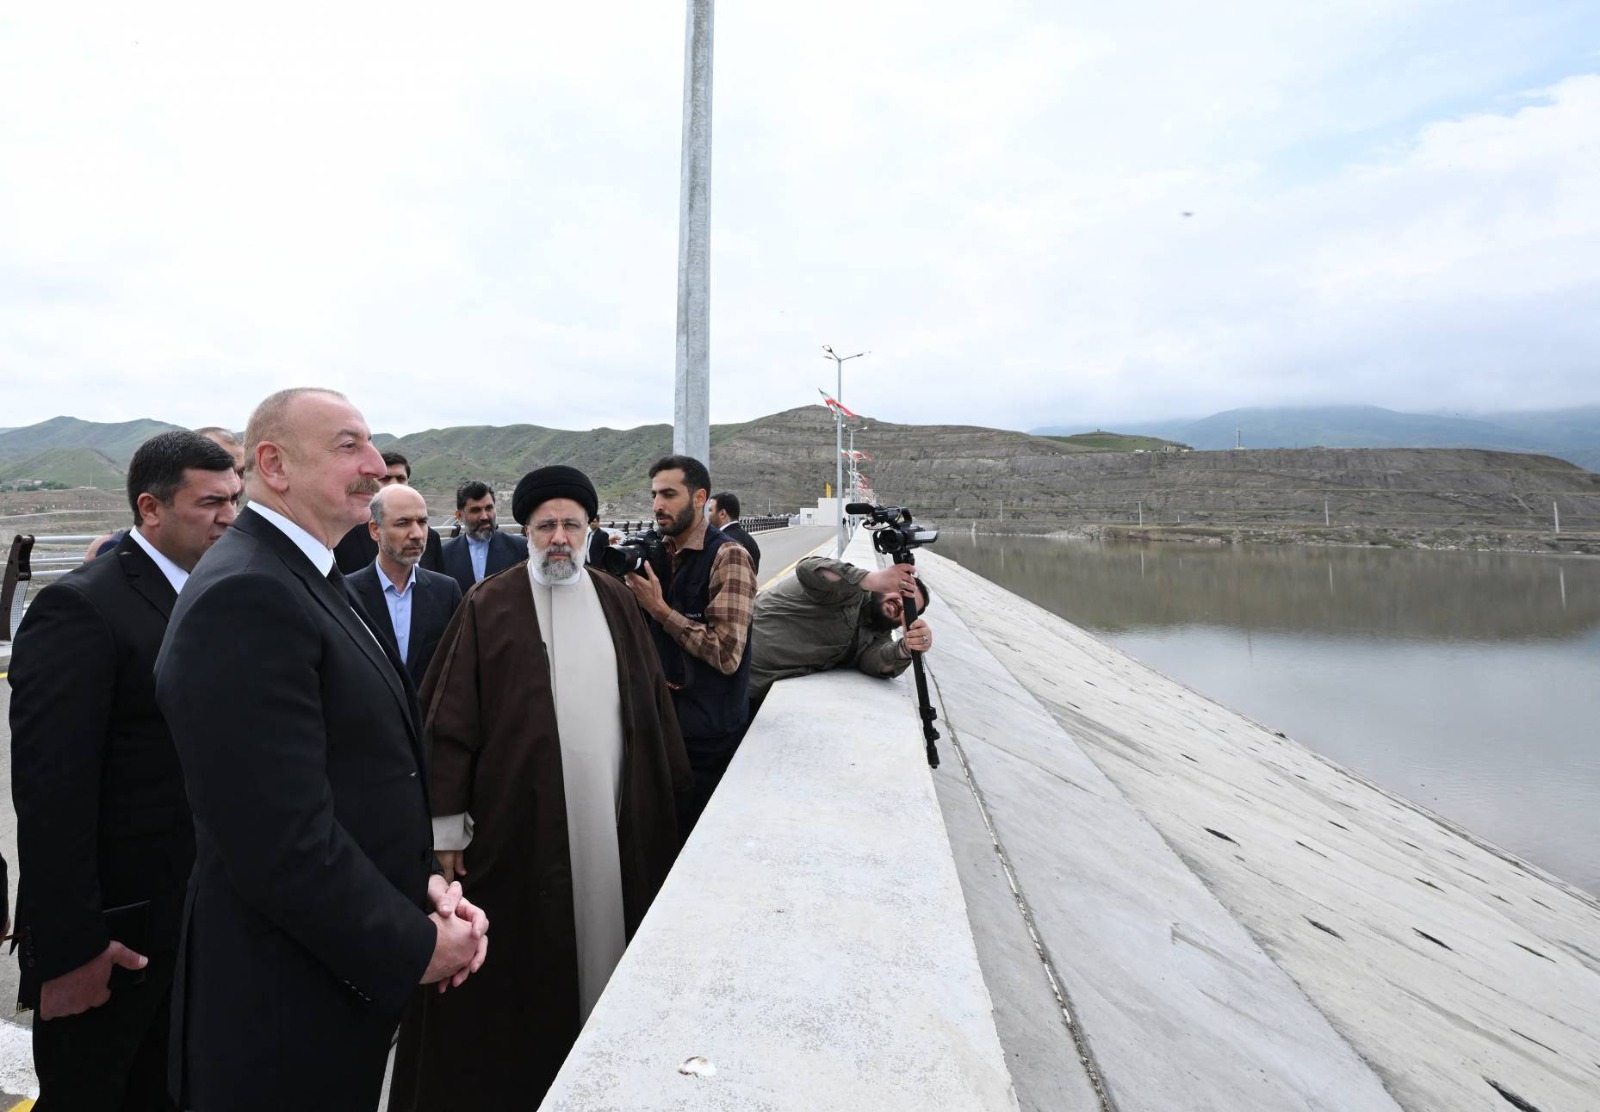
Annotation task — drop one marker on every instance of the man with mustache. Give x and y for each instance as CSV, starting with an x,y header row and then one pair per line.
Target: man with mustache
x,y
553,762
359,547
481,550
401,597
311,913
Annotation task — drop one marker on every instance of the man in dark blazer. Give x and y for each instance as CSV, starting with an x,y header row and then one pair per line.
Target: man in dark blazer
x,y
357,548
311,913
723,511
408,603
103,828
480,550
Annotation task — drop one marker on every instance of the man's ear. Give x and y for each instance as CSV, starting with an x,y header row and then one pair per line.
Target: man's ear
x,y
149,508
272,466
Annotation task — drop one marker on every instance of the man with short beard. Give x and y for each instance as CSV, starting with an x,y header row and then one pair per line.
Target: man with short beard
x,y
481,550
700,619
359,547
401,597
554,758
830,614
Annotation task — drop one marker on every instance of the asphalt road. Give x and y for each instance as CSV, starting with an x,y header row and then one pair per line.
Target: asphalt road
x,y
780,550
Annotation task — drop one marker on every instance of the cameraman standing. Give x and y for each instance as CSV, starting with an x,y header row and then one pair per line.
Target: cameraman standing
x,y
701,625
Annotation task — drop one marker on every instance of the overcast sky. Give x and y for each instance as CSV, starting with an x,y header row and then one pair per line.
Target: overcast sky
x,y
466,214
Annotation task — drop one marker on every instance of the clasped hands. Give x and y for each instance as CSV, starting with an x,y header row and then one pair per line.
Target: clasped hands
x,y
462,941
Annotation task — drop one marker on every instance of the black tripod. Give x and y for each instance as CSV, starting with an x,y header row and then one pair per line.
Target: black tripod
x,y
924,707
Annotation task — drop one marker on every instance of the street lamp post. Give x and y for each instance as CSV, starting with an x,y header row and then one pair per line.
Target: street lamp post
x,y
855,463
838,434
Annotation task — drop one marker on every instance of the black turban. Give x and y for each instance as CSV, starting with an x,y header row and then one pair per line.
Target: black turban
x,y
555,481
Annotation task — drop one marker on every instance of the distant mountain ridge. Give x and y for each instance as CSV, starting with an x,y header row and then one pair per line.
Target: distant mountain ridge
x,y
1572,434
956,475
116,442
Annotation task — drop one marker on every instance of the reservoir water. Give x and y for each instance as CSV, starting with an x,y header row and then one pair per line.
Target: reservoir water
x,y
1467,682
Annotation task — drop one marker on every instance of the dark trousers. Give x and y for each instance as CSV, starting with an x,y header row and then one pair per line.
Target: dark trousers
x,y
112,1058
708,758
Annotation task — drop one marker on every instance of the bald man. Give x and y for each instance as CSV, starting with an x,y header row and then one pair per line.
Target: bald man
x,y
403,599
311,911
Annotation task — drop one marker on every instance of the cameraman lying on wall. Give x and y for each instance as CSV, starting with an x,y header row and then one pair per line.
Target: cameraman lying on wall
x,y
832,614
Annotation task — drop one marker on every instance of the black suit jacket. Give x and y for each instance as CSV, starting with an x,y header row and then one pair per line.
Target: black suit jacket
x,y
738,533
356,549
435,597
305,930
102,820
505,549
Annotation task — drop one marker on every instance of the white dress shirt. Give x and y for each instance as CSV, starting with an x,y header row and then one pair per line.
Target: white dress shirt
x,y
175,575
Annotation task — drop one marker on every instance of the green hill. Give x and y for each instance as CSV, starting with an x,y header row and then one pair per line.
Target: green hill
x,y
116,442
71,467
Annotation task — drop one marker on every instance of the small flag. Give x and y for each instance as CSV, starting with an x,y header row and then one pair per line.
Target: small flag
x,y
831,404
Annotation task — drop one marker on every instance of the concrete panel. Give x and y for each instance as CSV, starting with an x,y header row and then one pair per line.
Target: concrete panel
x,y
1178,1005
1469,979
1040,1051
811,942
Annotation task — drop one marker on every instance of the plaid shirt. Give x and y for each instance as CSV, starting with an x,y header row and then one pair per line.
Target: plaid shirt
x,y
730,603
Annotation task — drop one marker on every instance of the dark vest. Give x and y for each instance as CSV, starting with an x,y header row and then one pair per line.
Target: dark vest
x,y
709,704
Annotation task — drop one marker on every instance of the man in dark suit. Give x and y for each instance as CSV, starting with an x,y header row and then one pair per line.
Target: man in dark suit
x,y
103,828
723,511
311,913
357,548
598,541
409,603
480,550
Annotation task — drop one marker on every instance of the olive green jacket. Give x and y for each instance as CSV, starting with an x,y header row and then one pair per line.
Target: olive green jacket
x,y
809,623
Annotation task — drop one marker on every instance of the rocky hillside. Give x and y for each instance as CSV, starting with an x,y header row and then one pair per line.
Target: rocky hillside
x,y
958,475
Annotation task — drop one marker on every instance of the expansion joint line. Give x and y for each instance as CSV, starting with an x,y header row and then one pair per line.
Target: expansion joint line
x,y
1068,1016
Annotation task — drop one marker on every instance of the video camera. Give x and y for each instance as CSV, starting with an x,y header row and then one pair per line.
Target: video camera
x,y
635,552
893,532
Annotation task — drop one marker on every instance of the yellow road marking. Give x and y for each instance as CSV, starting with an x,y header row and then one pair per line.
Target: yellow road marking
x,y
22,1105
791,567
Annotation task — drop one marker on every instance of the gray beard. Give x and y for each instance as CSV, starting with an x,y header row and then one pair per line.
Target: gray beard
x,y
559,571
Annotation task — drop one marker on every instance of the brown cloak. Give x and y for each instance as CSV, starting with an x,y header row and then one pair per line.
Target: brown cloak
x,y
497,1041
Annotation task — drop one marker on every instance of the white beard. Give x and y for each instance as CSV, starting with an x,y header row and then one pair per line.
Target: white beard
x,y
556,571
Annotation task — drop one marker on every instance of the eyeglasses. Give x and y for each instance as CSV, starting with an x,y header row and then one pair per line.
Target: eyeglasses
x,y
548,528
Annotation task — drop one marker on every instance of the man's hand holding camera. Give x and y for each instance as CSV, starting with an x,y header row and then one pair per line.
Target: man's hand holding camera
x,y
895,583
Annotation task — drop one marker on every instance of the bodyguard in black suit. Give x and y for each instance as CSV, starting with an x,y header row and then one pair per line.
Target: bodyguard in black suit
x,y
480,550
103,827
311,912
722,510
402,600
359,547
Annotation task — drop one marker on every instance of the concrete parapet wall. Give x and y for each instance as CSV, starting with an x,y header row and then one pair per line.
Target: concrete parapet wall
x,y
811,943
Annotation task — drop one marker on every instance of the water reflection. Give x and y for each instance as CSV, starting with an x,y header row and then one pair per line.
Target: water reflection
x,y
1464,681
1471,596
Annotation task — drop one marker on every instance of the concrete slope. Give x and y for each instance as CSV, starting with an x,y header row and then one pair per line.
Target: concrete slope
x,y
1172,1004
1468,979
